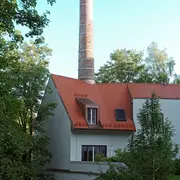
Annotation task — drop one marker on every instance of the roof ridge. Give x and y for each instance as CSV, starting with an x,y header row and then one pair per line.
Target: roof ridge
x,y
74,79
112,84
159,84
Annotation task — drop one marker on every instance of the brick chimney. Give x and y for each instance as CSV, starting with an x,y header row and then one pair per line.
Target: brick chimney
x,y
86,49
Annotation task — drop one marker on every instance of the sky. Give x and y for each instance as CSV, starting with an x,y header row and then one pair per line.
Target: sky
x,y
130,24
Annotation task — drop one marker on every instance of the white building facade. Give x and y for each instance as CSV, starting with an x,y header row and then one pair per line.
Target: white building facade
x,y
170,109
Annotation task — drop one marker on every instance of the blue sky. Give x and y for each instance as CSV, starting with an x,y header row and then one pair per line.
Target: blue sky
x,y
130,24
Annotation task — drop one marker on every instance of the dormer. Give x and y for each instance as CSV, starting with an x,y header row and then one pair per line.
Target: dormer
x,y
90,110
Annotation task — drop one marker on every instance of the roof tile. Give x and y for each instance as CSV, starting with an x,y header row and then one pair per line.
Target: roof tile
x,y
107,96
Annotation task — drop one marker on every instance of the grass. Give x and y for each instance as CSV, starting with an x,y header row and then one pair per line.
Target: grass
x,y
175,178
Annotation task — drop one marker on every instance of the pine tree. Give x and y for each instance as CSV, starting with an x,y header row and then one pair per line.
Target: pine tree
x,y
150,152
152,149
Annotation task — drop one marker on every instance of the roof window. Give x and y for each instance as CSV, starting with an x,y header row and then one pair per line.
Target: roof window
x,y
120,115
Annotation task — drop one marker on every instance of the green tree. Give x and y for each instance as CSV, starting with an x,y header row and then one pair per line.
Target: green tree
x,y
159,64
150,153
118,172
124,66
176,79
24,13
129,66
22,153
152,148
15,143
12,140
30,76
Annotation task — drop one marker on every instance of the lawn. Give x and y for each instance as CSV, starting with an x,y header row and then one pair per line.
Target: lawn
x,y
175,178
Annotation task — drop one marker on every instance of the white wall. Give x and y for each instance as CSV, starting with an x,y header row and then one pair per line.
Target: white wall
x,y
171,110
116,140
59,128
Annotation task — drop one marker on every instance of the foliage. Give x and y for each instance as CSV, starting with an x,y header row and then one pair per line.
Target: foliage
x,y
124,66
120,156
129,66
13,143
177,166
159,64
175,178
31,75
150,152
117,172
24,13
22,81
24,115
176,79
152,148
100,158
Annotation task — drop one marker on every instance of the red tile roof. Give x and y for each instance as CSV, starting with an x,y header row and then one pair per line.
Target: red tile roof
x,y
169,91
109,97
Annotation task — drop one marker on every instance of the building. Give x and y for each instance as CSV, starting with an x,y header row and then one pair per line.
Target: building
x,y
92,118
96,118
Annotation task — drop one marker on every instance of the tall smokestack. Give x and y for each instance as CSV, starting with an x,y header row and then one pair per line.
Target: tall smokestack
x,y
86,49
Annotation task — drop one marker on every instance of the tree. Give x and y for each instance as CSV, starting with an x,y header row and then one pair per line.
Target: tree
x,y
14,13
176,79
30,75
22,153
24,13
124,66
117,172
129,66
152,148
159,64
14,142
150,152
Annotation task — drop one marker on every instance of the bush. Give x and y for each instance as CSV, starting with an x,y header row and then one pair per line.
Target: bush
x,y
177,166
100,158
119,172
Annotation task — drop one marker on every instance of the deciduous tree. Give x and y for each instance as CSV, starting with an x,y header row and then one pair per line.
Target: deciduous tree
x,y
31,74
15,142
129,66
159,64
125,66
24,13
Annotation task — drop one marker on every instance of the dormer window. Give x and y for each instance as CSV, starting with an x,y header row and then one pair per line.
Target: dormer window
x,y
92,115
90,110
120,115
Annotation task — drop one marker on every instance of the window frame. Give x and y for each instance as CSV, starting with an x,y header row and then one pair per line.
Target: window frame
x,y
93,151
119,119
91,115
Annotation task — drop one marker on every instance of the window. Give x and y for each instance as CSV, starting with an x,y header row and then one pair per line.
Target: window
x,y
120,115
92,115
89,152
89,109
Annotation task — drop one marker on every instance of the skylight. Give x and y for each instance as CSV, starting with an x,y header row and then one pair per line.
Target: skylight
x,y
120,115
